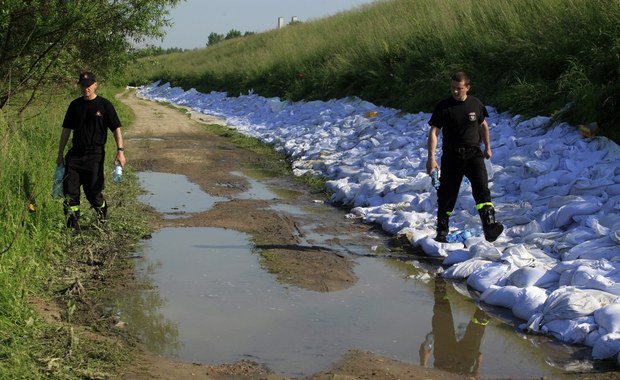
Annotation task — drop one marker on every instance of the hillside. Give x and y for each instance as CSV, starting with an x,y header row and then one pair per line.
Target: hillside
x,y
530,57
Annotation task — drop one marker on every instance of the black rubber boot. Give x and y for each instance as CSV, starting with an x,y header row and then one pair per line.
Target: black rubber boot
x,y
492,229
102,213
442,228
73,221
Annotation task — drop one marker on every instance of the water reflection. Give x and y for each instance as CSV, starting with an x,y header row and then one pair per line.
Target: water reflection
x,y
141,313
164,190
459,355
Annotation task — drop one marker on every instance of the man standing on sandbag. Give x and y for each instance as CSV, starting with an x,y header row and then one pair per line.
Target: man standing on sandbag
x,y
461,119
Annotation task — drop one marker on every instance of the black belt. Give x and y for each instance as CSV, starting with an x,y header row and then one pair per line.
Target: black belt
x,y
460,149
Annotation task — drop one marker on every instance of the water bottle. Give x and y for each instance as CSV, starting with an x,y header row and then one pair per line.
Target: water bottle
x,y
429,341
117,175
57,186
435,178
489,167
458,236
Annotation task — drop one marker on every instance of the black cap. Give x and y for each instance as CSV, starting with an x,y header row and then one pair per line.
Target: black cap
x,y
87,78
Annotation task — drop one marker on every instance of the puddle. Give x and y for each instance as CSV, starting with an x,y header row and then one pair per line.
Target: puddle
x,y
258,190
214,304
217,305
144,139
173,195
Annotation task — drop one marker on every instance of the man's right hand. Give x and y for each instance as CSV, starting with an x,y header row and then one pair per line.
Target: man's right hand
x,y
431,165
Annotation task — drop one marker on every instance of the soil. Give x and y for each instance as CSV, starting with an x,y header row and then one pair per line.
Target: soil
x,y
163,139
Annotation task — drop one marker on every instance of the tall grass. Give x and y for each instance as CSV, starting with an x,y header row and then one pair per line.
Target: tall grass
x,y
525,56
36,249
30,224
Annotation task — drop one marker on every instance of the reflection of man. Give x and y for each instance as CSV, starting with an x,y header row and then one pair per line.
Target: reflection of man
x,y
458,356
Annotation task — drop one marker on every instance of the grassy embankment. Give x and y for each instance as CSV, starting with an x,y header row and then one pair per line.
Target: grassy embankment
x,y
530,57
43,266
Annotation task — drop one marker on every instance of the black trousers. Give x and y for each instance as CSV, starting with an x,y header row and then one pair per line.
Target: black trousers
x,y
84,168
458,163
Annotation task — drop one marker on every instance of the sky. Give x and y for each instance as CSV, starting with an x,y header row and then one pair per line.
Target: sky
x,y
194,20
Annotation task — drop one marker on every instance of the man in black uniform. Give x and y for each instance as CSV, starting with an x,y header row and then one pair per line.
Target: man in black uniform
x,y
461,118
89,117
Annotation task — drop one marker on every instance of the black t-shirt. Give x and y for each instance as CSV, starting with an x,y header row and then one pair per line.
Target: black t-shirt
x,y
90,121
459,121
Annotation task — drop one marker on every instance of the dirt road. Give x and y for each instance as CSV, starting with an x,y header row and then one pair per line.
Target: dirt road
x,y
166,140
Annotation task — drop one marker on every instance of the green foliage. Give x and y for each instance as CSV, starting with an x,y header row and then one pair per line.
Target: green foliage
x,y
529,57
214,38
46,42
233,33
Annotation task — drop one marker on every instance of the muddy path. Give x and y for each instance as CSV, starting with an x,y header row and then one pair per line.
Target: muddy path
x,y
163,139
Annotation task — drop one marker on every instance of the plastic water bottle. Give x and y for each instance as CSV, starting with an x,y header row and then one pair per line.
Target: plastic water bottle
x,y
461,235
57,186
117,175
435,178
489,167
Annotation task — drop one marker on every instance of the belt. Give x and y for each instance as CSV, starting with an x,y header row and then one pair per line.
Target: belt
x,y
460,149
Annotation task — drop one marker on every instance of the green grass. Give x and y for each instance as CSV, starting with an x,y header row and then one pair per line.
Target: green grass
x,y
40,260
529,57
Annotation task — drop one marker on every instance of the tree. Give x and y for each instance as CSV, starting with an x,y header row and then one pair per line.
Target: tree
x,y
46,41
233,33
214,38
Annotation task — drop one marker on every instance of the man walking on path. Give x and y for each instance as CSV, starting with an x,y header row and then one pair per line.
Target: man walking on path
x,y
89,117
461,119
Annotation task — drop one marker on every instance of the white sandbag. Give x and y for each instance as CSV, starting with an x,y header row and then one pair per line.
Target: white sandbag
x,y
565,214
582,275
518,255
606,284
436,249
606,347
566,278
465,269
504,296
525,229
602,265
592,337
603,248
533,276
529,302
608,318
485,250
571,303
456,257
493,274
570,331
615,233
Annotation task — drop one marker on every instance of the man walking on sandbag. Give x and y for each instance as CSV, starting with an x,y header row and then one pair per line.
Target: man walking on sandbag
x,y
461,119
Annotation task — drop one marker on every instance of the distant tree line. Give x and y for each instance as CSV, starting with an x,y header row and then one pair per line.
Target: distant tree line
x,y
214,38
152,50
